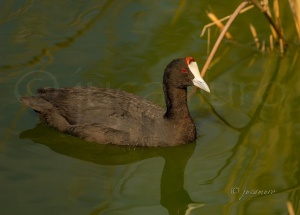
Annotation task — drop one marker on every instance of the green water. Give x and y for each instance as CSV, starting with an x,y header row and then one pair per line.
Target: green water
x,y
245,159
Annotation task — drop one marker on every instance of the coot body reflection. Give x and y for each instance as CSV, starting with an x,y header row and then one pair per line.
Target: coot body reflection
x,y
108,116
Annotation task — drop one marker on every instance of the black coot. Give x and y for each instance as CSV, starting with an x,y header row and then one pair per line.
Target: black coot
x,y
108,116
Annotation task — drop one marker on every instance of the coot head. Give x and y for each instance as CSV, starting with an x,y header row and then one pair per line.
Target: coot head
x,y
184,72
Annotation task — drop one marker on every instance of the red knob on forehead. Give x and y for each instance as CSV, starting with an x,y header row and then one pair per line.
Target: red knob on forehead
x,y
189,60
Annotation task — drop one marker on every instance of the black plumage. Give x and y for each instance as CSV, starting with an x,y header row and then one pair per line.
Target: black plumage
x,y
109,116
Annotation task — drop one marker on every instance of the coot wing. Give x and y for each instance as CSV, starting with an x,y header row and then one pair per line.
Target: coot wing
x,y
90,105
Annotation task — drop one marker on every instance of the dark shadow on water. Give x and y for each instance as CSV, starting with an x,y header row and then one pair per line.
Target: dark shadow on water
x,y
173,195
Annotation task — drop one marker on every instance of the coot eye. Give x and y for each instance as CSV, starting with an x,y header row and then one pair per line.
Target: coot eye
x,y
183,70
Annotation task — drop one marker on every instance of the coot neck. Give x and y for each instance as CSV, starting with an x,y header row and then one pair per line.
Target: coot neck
x,y
176,102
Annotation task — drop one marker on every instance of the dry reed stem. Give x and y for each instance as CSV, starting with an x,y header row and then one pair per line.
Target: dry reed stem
x,y
215,19
276,9
290,208
273,31
295,7
275,35
281,44
266,12
271,43
223,19
208,41
277,15
254,34
266,8
221,36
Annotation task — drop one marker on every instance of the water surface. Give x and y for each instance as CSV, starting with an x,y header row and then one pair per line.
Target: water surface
x,y
245,159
